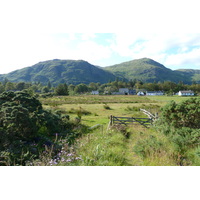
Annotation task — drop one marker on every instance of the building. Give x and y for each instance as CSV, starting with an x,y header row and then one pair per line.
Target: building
x,y
186,93
95,92
125,91
154,93
140,93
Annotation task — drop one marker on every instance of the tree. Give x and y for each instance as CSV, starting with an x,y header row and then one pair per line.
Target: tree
x,y
45,89
49,85
81,88
2,89
62,89
20,86
9,86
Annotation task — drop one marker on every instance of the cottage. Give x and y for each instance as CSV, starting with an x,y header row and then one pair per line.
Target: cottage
x,y
154,93
95,92
186,93
140,93
125,91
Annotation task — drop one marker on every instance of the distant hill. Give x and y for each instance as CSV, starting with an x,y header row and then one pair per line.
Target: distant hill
x,y
60,71
147,70
78,71
192,74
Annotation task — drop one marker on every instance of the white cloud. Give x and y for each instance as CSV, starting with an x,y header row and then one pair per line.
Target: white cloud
x,y
90,51
189,59
170,49
19,50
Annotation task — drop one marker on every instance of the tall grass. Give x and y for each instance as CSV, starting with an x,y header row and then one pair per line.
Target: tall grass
x,y
102,148
150,148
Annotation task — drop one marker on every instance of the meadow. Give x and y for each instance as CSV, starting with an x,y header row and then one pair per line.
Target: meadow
x,y
132,145
100,107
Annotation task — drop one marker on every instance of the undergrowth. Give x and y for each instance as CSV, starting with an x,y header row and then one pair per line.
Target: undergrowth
x,y
102,148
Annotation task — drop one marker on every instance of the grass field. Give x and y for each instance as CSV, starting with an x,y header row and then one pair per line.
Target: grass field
x,y
99,107
134,145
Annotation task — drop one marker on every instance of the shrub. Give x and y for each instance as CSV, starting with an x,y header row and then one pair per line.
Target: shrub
x,y
107,107
25,128
184,114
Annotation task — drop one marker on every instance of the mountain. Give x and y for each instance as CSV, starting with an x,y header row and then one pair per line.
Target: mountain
x,y
146,70
59,71
192,74
78,71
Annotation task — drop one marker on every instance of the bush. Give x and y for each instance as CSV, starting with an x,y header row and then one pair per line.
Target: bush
x,y
25,128
184,114
180,123
107,107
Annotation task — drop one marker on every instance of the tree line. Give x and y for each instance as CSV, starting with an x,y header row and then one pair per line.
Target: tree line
x,y
168,87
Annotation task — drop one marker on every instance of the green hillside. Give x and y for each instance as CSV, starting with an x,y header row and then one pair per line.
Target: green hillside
x,y
78,71
60,71
147,70
192,74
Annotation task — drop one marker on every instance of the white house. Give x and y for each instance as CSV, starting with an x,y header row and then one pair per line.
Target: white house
x,y
154,93
186,93
140,93
95,92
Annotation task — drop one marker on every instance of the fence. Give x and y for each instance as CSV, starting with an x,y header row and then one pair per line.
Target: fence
x,y
150,115
129,120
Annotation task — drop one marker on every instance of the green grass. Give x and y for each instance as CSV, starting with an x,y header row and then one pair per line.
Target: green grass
x,y
99,114
103,147
119,105
165,99
147,147
97,106
95,99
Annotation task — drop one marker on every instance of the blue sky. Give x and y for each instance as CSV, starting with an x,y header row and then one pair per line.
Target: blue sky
x,y
103,33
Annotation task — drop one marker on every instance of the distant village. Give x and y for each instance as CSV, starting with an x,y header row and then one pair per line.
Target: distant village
x,y
126,91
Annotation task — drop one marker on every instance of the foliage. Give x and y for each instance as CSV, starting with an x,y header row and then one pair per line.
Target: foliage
x,y
184,114
106,106
180,123
103,149
147,146
185,138
25,127
62,89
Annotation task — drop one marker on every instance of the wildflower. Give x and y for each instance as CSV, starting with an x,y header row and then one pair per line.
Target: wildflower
x,y
68,160
70,154
78,158
51,162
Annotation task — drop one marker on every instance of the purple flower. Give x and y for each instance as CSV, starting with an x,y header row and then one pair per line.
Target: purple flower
x,y
70,154
78,158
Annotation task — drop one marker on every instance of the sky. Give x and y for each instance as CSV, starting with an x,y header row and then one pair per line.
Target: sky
x,y
103,33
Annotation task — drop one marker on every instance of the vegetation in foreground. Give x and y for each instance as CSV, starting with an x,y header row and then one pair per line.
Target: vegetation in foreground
x,y
56,135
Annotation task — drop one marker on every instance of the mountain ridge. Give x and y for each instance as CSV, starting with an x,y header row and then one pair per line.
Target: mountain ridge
x,y
79,71
147,70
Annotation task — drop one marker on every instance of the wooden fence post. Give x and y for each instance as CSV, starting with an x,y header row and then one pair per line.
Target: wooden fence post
x,y
111,120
